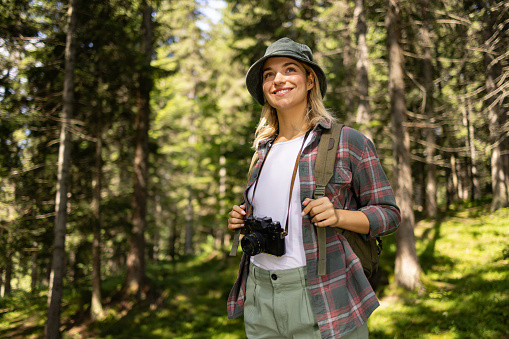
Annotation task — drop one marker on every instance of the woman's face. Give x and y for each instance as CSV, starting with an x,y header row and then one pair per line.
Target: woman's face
x,y
285,84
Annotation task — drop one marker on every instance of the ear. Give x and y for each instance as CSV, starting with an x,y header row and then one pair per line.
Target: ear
x,y
311,81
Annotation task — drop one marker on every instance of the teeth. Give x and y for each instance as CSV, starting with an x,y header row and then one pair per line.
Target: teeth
x,y
283,91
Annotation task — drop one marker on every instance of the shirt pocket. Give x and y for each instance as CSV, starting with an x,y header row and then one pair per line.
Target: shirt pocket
x,y
339,187
342,177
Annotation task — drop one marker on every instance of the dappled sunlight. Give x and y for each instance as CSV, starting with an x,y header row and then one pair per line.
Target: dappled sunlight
x,y
467,275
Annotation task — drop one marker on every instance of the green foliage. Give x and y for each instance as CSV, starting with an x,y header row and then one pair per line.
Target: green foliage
x,y
464,257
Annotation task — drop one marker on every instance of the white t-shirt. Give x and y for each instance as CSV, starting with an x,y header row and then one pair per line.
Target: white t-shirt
x,y
271,200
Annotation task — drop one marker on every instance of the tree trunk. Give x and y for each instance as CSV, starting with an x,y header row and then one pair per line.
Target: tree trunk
x,y
474,176
173,235
52,329
8,265
222,204
497,116
136,257
361,75
157,235
348,56
407,270
96,308
431,207
189,222
34,275
188,244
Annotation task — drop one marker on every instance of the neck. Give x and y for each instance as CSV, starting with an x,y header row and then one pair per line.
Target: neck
x,y
291,126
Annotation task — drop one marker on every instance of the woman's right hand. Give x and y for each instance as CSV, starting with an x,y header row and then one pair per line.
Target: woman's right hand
x,y
236,217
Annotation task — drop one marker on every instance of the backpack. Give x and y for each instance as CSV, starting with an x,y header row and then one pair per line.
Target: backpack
x,y
368,251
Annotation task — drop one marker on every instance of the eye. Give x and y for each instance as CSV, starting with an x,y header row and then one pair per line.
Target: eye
x,y
291,69
267,75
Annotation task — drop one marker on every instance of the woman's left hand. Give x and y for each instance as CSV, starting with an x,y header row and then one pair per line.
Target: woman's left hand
x,y
321,210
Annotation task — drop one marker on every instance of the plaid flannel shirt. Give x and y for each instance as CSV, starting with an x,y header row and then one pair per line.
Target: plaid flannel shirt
x,y
343,298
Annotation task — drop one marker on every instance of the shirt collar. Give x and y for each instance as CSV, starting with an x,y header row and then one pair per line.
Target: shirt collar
x,y
324,124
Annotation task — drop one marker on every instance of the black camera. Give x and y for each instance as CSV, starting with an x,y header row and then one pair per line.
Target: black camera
x,y
263,235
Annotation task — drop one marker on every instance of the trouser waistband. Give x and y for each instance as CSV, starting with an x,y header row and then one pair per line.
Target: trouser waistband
x,y
280,278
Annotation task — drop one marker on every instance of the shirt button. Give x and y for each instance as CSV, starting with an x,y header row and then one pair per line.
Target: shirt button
x,y
274,277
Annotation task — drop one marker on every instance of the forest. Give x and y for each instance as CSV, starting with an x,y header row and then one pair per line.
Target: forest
x,y
126,134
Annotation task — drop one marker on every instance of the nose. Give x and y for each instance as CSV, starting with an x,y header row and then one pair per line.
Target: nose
x,y
278,79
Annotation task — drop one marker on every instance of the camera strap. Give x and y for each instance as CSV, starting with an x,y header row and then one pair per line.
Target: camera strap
x,y
294,175
236,236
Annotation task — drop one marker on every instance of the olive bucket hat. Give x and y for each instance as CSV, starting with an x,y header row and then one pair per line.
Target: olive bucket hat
x,y
288,48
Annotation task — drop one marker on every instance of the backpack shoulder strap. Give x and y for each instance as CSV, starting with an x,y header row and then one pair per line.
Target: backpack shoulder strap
x,y
326,158
323,171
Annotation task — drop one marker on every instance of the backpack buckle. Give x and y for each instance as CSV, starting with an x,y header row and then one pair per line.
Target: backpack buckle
x,y
319,192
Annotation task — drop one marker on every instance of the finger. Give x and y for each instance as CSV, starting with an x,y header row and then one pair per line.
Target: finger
x,y
327,218
240,209
306,201
324,223
322,216
234,223
234,220
308,206
318,209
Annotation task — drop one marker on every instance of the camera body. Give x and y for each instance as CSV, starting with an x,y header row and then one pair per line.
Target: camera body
x,y
263,235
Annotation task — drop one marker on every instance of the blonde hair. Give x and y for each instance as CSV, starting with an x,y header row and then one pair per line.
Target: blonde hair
x,y
316,111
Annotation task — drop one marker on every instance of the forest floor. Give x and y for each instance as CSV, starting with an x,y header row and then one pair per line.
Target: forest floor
x,y
464,255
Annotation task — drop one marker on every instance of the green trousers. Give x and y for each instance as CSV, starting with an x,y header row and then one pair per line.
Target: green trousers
x,y
278,305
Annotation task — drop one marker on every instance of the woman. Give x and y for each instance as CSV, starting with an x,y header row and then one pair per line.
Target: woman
x,y
282,296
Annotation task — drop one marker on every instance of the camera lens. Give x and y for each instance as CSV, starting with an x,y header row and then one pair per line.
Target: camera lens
x,y
253,244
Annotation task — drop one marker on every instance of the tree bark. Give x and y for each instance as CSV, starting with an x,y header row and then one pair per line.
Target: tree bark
x,y
362,65
8,264
136,258
188,244
172,251
475,188
497,116
431,205
407,268
219,233
348,56
189,222
1,280
52,329
34,275
96,308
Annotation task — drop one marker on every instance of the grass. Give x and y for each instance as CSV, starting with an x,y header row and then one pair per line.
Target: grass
x,y
464,257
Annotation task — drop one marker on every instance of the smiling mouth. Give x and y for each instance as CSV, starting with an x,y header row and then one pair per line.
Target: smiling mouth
x,y
282,91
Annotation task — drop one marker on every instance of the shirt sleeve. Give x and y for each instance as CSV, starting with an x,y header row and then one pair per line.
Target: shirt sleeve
x,y
372,187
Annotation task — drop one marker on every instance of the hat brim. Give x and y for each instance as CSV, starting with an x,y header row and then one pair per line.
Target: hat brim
x,y
254,78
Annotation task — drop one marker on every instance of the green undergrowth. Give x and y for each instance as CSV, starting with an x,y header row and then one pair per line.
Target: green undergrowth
x,y
190,302
465,261
464,256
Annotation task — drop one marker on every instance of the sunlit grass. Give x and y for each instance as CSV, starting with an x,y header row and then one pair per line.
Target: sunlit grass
x,y
464,256
465,259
